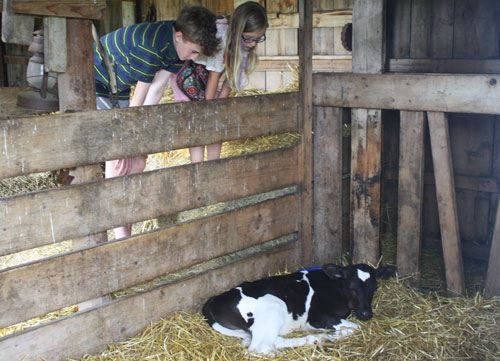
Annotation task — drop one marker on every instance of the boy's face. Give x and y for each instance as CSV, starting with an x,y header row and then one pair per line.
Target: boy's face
x,y
185,49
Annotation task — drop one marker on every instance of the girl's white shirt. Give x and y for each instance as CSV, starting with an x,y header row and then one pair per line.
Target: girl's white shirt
x,y
216,62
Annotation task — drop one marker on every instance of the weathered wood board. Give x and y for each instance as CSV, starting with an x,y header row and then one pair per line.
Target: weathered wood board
x,y
447,205
368,56
85,9
327,126
110,267
51,142
91,331
410,192
76,211
305,151
440,93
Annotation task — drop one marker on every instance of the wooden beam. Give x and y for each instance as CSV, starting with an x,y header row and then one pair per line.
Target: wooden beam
x,y
410,192
463,66
492,285
69,212
447,204
83,9
305,156
366,160
438,93
16,29
55,48
325,19
16,59
327,125
471,183
91,331
321,63
31,145
97,272
366,137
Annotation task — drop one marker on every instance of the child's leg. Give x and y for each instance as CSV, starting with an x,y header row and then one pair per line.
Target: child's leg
x,y
120,167
213,151
197,154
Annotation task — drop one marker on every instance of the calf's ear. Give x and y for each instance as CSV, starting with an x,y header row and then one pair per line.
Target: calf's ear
x,y
386,272
334,271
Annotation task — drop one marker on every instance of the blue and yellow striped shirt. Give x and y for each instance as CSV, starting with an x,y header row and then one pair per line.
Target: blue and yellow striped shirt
x,y
139,51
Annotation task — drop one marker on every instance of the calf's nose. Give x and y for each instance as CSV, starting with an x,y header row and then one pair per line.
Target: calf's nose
x,y
365,315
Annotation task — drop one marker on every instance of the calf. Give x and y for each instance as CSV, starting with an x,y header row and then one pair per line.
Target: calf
x,y
313,299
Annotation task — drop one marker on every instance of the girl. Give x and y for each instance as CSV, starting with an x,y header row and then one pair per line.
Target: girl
x,y
247,27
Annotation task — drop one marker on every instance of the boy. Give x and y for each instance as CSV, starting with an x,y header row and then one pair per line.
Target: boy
x,y
145,52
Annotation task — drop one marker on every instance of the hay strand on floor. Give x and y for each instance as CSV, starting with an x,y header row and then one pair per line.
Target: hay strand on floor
x,y
408,325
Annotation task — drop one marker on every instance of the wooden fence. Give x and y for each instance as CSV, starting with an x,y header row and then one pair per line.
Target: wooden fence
x,y
36,144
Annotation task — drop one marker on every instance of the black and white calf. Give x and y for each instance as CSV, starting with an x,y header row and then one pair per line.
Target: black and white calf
x,y
262,311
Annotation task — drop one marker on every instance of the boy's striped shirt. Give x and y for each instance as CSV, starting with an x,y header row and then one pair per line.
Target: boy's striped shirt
x,y
139,51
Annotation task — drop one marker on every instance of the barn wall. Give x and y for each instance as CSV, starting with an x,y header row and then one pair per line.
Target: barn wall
x,y
452,36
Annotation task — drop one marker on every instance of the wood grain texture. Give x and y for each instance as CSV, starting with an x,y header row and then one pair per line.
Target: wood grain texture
x,y
327,125
368,56
51,142
492,285
466,66
324,19
440,93
305,155
110,267
84,9
90,332
447,206
54,46
44,217
432,29
477,29
410,192
368,53
365,184
398,28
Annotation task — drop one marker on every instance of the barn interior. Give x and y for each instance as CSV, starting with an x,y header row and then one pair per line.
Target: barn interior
x,y
368,133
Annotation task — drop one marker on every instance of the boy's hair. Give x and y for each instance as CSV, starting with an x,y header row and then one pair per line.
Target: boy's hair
x,y
249,17
197,25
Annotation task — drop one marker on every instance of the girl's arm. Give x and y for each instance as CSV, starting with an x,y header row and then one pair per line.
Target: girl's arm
x,y
157,87
212,85
226,89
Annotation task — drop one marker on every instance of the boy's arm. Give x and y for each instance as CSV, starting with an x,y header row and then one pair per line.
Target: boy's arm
x,y
140,92
157,87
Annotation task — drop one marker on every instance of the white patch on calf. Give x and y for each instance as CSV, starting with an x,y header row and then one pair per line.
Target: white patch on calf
x,y
362,275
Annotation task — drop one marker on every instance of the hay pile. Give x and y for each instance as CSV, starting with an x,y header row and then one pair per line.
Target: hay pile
x,y
408,325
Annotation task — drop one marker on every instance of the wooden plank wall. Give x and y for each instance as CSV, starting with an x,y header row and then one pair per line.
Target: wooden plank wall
x,y
456,36
53,215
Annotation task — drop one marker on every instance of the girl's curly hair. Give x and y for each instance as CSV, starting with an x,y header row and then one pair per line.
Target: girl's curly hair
x,y
197,25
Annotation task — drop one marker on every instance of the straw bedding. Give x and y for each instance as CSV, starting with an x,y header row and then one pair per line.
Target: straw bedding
x,y
408,325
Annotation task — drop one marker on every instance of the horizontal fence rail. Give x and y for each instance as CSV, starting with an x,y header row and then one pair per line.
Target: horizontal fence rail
x,y
51,142
91,331
438,93
50,216
85,274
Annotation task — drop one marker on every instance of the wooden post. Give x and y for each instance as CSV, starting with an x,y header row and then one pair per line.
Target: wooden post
x,y
328,122
77,92
447,204
366,138
492,286
305,121
410,192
